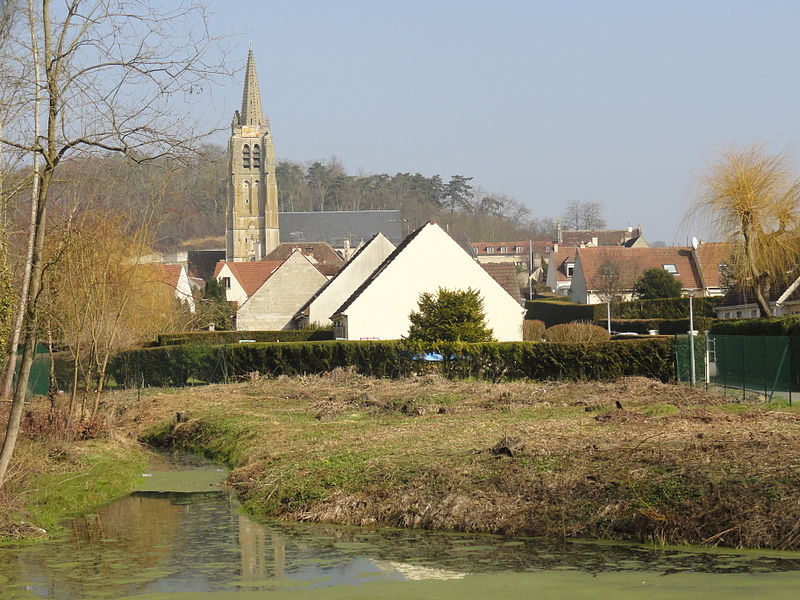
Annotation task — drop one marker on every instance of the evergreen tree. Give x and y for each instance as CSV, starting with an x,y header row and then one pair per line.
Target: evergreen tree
x,y
657,283
214,306
450,316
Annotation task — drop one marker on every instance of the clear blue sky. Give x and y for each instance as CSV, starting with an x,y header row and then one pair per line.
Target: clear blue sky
x,y
618,102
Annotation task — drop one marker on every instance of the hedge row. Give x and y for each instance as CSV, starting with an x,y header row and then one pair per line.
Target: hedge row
x,y
177,365
788,325
664,308
662,326
556,312
233,337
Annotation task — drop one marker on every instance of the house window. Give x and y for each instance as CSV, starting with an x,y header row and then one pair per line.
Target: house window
x,y
518,249
570,269
503,249
226,281
670,269
489,250
738,314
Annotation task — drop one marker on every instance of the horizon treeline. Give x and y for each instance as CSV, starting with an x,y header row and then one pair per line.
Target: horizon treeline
x,y
184,202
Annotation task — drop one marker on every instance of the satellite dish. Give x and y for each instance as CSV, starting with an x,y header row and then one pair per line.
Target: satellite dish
x,y
695,243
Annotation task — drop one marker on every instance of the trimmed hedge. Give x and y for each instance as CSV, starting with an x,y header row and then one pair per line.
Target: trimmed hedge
x,y
177,365
555,313
663,326
233,337
664,308
788,325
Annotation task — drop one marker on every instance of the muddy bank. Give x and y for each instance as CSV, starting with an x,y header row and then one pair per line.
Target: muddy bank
x,y
635,459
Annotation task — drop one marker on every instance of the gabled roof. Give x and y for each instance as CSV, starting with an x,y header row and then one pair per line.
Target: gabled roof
x,y
303,309
559,260
319,254
605,237
506,275
538,246
250,275
334,227
633,262
380,269
710,255
169,274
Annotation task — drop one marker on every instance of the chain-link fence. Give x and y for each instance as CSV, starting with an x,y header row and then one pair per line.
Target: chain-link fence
x,y
742,366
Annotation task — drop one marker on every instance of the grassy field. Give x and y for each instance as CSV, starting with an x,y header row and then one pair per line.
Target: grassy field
x,y
635,459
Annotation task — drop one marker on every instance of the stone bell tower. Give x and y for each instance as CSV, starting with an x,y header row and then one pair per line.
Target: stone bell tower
x,y
251,219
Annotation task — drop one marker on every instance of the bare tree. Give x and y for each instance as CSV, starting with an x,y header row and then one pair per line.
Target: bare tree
x,y
752,199
112,76
582,214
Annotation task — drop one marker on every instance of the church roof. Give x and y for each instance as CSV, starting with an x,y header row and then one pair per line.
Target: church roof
x,y
252,113
334,227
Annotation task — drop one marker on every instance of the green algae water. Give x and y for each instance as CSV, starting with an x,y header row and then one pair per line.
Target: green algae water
x,y
181,536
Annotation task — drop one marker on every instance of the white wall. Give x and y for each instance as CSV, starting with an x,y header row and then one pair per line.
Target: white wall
x,y
183,291
236,292
349,279
274,304
430,261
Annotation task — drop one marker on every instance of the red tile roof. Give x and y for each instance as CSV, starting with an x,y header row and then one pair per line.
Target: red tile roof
x,y
506,275
605,237
632,262
539,247
250,275
710,255
319,254
559,261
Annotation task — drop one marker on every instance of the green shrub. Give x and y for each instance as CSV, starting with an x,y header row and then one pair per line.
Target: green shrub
x,y
664,308
450,315
556,312
533,330
233,337
787,325
576,333
643,326
178,365
681,326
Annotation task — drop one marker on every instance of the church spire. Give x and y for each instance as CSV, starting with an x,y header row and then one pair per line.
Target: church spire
x,y
252,114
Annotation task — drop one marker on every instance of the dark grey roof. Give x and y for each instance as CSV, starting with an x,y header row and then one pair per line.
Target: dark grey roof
x,y
334,227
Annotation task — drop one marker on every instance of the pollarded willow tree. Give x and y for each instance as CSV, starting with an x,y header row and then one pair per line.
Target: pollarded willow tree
x,y
86,77
751,199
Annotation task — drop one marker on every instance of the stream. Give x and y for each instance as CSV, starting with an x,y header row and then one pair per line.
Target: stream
x,y
181,536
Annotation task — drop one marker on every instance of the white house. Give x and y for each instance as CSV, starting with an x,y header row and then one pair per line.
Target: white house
x,y
176,279
278,298
242,279
427,260
319,308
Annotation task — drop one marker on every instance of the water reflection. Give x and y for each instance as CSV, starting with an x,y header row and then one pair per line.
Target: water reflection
x,y
170,543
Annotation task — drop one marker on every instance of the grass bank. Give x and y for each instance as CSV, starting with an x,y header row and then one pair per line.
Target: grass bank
x,y
58,474
672,465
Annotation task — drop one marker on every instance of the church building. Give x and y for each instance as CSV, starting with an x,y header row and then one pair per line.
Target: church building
x,y
251,220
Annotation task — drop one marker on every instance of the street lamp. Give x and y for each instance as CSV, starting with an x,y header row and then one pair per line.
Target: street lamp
x,y
690,293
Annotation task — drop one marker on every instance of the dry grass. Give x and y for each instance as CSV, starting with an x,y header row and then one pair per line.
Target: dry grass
x,y
672,464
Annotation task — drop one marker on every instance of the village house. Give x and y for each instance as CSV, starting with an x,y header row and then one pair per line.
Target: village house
x,y
266,294
175,278
319,254
427,260
318,309
697,269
